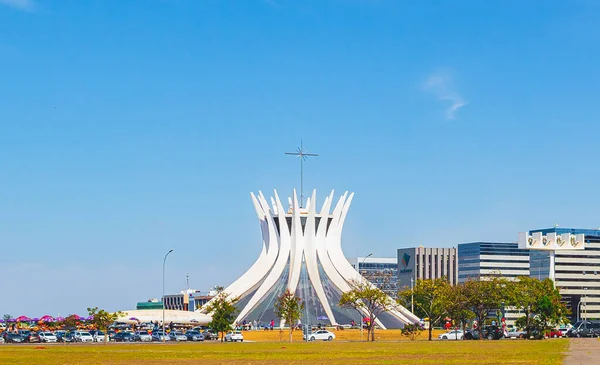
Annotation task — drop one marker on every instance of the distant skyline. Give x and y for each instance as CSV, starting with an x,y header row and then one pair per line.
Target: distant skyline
x,y
131,128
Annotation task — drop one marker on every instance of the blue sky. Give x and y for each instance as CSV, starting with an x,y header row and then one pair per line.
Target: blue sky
x,y
128,128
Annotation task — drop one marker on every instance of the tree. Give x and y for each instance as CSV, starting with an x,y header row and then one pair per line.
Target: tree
x,y
223,311
412,331
289,308
430,298
457,308
483,296
367,299
541,303
103,319
523,296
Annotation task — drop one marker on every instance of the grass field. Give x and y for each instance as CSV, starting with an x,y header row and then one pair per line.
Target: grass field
x,y
547,352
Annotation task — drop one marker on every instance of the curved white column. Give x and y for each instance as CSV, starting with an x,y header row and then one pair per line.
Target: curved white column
x,y
291,245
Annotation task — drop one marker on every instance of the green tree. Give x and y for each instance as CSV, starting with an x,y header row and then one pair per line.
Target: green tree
x,y
541,303
457,307
485,295
288,307
103,319
223,312
523,296
430,298
412,331
369,300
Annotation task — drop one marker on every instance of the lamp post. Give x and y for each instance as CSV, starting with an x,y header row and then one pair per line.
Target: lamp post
x,y
360,322
163,297
585,304
412,302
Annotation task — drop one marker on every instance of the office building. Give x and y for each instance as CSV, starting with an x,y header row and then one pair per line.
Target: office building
x,y
478,260
381,271
576,272
426,263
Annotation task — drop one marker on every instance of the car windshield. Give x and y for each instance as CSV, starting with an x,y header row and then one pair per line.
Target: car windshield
x,y
143,333
85,334
48,334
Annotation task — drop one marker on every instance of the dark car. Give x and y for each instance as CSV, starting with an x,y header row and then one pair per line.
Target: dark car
x,y
490,333
12,337
123,337
584,329
111,335
33,337
194,336
210,335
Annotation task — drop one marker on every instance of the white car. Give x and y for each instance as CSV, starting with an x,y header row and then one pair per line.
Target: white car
x,y
99,336
142,336
83,337
177,336
320,335
47,337
452,335
234,336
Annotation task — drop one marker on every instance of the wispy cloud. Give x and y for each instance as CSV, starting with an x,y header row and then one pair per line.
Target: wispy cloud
x,y
441,85
25,5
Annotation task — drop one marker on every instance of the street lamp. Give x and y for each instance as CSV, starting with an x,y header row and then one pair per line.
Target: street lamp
x,y
412,302
360,322
585,304
163,297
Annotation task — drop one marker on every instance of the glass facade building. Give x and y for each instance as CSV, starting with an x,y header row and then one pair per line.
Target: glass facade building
x,y
488,259
382,272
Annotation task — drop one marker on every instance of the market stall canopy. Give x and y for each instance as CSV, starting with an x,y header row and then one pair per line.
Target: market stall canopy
x,y
175,316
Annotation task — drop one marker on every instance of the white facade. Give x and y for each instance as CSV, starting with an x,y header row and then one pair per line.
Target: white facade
x,y
574,269
301,251
422,263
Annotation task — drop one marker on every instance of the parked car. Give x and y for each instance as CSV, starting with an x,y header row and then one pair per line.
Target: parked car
x,y
159,336
177,336
194,336
33,337
111,335
490,333
12,337
142,336
320,335
64,336
234,336
48,337
99,336
563,330
123,337
585,329
83,336
210,335
515,333
555,333
452,335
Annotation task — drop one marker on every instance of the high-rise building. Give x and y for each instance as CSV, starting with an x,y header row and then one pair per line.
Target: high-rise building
x,y
478,260
381,271
576,272
302,253
417,263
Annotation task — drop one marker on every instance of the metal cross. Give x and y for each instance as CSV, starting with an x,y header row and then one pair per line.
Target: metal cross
x,y
300,152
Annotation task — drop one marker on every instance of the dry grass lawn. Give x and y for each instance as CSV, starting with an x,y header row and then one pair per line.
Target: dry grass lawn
x,y
546,352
